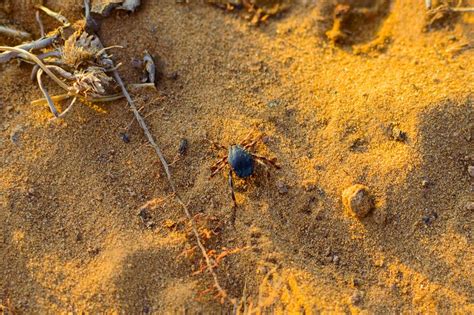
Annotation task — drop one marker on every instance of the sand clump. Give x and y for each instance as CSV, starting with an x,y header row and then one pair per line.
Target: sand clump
x,y
358,200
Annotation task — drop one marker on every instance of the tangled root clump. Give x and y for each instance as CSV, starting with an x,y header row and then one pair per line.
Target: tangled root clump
x,y
80,47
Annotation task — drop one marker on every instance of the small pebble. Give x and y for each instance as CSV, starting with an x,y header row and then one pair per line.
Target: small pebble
x,y
470,170
125,138
393,132
356,282
310,187
425,183
358,200
144,214
146,218
274,103
15,135
282,187
379,263
79,237
93,251
357,297
429,218
399,135
336,259
183,146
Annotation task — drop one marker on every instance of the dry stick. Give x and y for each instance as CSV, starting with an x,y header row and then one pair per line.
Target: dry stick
x,y
458,9
173,188
168,174
142,124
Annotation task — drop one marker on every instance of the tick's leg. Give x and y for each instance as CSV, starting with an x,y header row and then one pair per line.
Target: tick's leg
x,y
267,169
218,146
247,138
231,184
234,208
248,143
265,160
218,166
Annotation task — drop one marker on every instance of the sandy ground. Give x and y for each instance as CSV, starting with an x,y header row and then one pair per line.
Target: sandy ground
x,y
71,191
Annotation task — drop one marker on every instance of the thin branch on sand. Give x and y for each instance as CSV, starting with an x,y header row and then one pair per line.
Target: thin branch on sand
x,y
210,265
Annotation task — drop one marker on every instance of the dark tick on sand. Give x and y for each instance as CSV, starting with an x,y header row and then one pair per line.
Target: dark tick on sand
x,y
241,161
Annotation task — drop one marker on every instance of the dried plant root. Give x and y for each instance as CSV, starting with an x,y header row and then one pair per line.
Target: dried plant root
x,y
8,31
67,108
54,15
40,23
46,94
37,44
63,85
35,59
462,10
62,97
54,98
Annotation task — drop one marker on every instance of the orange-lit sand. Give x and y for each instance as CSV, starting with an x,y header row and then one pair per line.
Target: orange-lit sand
x,y
70,191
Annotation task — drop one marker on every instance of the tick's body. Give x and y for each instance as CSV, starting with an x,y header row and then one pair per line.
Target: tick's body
x,y
241,161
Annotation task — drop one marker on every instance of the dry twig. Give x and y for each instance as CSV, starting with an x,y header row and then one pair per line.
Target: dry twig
x,y
210,264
